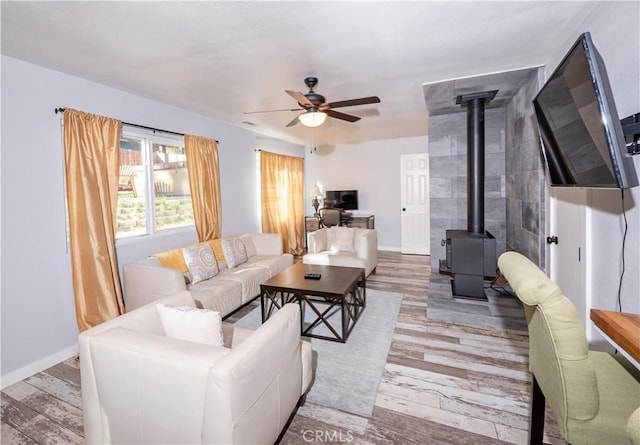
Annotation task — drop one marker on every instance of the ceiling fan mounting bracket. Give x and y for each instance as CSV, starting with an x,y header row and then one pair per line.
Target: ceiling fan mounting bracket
x,y
313,97
311,82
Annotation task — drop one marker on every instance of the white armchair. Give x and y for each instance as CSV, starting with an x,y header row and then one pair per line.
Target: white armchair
x,y
139,386
362,252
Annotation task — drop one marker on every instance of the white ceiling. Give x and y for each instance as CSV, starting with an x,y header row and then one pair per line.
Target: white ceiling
x,y
224,58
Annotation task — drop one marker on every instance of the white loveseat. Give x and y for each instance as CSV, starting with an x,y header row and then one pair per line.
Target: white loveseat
x,y
148,280
141,387
343,246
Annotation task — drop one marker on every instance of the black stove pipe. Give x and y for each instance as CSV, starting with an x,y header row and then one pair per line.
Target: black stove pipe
x,y
475,104
475,166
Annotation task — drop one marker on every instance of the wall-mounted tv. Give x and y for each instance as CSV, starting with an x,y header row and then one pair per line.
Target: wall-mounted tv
x,y
582,140
343,199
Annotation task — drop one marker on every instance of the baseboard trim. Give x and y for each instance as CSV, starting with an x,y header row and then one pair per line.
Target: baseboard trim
x,y
397,249
37,366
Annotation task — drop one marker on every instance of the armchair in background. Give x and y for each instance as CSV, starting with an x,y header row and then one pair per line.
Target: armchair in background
x,y
329,217
343,246
127,179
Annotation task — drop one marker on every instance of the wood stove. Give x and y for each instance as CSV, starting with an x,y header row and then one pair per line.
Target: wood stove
x,y
471,254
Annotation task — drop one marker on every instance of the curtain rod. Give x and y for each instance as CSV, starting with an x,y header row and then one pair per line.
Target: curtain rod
x,y
256,150
61,110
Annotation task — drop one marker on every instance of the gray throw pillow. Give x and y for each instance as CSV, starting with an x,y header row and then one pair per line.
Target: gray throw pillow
x,y
201,262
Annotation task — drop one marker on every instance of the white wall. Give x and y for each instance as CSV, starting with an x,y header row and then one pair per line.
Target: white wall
x,y
372,168
615,33
38,315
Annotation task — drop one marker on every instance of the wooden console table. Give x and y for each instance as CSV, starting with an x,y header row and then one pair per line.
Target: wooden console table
x,y
622,330
311,224
364,222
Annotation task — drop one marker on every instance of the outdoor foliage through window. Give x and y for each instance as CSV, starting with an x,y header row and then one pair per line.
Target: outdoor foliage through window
x,y
153,175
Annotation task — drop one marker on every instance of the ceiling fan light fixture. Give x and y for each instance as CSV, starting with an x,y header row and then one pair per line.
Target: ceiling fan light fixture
x,y
312,118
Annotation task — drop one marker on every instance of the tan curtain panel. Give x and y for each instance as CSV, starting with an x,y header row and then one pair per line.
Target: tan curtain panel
x,y
204,182
282,180
92,151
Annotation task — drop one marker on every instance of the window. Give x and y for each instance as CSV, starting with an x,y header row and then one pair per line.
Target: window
x,y
153,175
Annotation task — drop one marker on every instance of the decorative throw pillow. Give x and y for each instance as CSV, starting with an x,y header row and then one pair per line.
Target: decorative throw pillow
x,y
216,245
191,324
235,253
173,259
341,239
249,246
201,262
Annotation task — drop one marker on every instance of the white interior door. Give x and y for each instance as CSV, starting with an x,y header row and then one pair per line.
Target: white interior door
x,y
414,191
568,258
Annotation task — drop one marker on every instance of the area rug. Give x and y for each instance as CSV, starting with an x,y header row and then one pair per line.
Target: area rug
x,y
347,375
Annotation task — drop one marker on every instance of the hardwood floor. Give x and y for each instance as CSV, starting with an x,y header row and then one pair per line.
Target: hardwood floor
x,y
456,373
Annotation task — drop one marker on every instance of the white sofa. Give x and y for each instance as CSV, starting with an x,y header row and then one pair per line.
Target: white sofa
x,y
140,387
363,252
147,280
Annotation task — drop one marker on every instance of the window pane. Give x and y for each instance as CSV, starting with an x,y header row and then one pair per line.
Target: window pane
x,y
171,185
131,214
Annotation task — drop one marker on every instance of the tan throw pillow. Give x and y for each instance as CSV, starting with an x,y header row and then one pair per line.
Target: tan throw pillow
x,y
216,245
201,262
173,259
341,239
235,253
191,324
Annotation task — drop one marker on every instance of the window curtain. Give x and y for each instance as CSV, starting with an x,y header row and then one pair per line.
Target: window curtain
x,y
282,199
92,152
204,182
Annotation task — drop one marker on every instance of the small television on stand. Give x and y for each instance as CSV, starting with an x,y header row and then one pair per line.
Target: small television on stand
x,y
343,199
582,139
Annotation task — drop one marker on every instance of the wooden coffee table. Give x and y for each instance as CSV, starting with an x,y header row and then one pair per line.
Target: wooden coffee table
x,y
340,290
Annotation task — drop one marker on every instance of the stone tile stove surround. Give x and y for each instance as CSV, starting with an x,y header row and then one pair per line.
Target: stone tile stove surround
x,y
514,190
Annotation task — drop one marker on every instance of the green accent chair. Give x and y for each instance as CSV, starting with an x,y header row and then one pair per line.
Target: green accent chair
x,y
592,394
633,427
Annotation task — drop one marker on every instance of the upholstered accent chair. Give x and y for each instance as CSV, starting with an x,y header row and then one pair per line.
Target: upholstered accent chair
x,y
330,217
592,394
142,386
633,427
343,246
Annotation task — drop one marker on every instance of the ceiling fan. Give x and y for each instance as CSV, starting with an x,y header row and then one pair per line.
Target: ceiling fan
x,y
316,109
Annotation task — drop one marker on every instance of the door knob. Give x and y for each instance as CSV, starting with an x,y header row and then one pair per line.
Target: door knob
x,y
552,240
404,209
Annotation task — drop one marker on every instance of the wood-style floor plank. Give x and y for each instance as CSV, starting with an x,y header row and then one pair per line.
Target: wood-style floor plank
x,y
456,373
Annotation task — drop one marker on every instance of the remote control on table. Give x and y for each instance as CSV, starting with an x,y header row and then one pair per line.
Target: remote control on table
x,y
312,276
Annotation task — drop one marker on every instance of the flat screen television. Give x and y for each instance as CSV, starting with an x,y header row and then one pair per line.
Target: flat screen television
x,y
343,199
582,140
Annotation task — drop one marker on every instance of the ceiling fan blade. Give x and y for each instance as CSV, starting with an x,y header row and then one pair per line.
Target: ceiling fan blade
x,y
273,111
293,122
343,116
300,98
353,102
